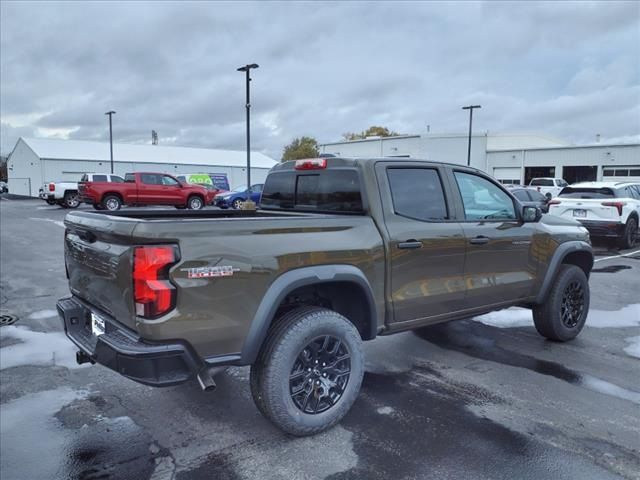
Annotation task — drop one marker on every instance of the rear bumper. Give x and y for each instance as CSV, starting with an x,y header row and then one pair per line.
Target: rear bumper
x,y
155,364
603,228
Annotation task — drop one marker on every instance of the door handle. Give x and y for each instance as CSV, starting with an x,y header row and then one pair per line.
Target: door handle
x,y
410,244
479,240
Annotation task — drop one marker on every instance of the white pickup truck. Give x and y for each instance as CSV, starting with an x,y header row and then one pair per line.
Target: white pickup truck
x,y
65,193
549,187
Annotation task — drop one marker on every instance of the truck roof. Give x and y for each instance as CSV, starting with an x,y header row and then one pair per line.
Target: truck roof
x,y
353,161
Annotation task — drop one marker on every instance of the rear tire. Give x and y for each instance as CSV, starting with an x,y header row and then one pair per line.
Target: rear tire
x,y
309,371
51,202
564,312
630,234
111,203
71,199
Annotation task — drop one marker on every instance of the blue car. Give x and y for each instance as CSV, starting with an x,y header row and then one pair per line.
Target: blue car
x,y
235,197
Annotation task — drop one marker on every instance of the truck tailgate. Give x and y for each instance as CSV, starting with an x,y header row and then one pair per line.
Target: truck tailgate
x,y
98,258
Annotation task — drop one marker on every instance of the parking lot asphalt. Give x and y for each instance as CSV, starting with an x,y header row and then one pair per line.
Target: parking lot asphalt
x,y
480,398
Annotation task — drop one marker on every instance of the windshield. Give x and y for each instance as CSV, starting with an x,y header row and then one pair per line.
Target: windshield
x,y
241,188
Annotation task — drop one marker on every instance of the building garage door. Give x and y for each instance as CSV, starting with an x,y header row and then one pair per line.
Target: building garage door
x,y
507,175
624,173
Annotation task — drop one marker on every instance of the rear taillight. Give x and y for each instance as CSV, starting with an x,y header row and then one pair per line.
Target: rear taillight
x,y
52,187
554,202
311,164
618,205
153,292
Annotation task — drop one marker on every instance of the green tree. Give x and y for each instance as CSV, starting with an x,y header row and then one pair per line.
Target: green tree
x,y
373,131
303,147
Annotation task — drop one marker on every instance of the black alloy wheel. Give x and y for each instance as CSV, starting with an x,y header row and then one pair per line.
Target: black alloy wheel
x,y
572,304
320,374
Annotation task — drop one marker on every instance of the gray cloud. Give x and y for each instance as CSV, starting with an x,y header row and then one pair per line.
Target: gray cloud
x,y
567,69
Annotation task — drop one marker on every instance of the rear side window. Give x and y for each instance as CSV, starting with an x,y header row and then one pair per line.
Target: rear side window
x,y
130,178
587,193
99,178
116,179
327,190
151,179
417,193
542,182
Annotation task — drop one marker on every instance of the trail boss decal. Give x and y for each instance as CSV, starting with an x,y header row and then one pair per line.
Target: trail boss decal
x,y
211,272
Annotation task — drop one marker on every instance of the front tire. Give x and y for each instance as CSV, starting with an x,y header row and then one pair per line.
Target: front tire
x,y
237,204
309,371
630,234
563,314
195,203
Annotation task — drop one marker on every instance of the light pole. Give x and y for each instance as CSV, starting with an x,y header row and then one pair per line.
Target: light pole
x,y
110,113
246,69
470,108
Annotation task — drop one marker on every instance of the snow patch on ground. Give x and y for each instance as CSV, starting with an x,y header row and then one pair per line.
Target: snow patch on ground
x,y
628,316
510,318
27,424
385,410
42,314
37,348
633,349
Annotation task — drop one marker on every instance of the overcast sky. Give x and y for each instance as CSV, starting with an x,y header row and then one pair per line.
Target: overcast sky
x,y
570,70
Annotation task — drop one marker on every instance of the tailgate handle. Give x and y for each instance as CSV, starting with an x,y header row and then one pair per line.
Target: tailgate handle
x,y
410,244
87,236
479,240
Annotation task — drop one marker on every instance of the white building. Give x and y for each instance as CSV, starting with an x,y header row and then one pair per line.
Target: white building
x,y
511,158
34,161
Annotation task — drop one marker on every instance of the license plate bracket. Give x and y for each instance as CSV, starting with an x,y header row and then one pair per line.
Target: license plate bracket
x,y
97,325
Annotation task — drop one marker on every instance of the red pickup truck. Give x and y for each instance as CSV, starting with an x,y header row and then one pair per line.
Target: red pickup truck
x,y
145,188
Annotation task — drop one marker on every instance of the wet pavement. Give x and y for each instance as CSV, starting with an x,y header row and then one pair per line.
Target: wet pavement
x,y
483,398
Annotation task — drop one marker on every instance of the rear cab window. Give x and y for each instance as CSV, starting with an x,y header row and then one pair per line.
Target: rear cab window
x,y
323,190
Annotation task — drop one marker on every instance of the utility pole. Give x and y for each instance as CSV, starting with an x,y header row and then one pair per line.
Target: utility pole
x,y
247,68
470,108
111,113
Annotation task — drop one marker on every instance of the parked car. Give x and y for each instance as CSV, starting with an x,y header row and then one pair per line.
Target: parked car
x,y
341,250
529,196
62,192
4,188
549,187
145,188
235,197
202,179
606,209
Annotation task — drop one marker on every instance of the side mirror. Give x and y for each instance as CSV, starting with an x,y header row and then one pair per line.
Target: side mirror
x,y
531,214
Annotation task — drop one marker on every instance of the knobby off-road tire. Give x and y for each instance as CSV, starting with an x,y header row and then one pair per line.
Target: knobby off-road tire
x,y
287,361
563,314
630,234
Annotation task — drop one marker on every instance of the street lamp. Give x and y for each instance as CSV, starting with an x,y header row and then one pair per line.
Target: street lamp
x,y
110,113
470,108
246,69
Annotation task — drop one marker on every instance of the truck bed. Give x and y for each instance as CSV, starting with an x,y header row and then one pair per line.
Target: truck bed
x,y
256,246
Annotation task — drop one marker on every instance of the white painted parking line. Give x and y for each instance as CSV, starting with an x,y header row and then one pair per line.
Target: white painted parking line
x,y
57,222
617,256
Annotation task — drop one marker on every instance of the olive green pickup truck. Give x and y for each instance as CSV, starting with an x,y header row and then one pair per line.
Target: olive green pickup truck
x,y
339,252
